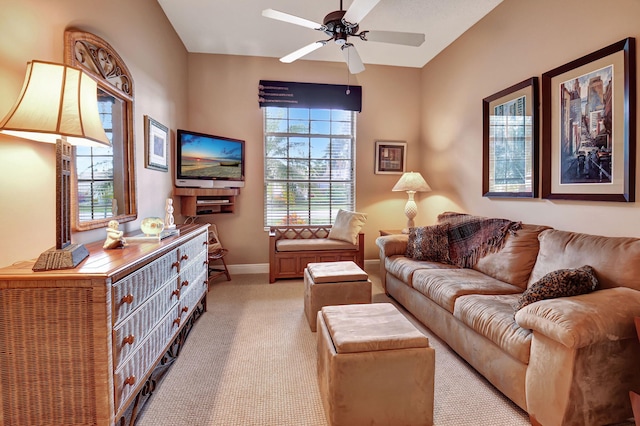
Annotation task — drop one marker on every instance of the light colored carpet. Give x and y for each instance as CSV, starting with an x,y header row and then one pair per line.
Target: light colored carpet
x,y
251,360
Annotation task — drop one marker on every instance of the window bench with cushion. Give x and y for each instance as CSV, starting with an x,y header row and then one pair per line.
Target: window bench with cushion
x,y
292,247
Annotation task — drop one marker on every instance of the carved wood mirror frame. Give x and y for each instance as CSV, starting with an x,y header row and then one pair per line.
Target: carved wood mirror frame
x,y
97,58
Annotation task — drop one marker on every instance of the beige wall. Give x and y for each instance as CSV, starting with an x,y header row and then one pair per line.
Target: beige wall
x,y
34,29
223,100
518,40
437,110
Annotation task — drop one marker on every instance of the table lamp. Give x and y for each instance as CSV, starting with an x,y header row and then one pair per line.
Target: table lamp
x,y
58,104
411,182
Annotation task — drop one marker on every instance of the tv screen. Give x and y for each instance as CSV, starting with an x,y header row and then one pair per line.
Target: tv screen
x,y
209,161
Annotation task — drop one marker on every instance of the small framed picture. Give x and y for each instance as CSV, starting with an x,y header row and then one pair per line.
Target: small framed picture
x,y
156,145
391,157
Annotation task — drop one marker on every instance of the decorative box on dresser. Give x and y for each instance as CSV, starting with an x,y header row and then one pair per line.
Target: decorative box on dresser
x,y
86,346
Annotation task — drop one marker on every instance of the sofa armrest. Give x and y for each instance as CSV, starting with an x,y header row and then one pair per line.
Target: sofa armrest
x,y
391,245
583,320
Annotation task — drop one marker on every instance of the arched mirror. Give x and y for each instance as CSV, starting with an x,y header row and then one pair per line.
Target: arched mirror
x,y
104,184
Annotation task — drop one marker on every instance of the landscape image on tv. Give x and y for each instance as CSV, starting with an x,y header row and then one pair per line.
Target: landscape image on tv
x,y
206,157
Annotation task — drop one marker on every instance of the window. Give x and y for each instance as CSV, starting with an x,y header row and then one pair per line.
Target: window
x,y
309,165
94,166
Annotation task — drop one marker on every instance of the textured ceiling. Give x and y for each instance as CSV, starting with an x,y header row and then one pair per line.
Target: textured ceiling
x,y
237,27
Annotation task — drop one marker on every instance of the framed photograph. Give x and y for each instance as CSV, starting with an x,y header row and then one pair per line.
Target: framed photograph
x,y
510,141
156,137
391,157
589,123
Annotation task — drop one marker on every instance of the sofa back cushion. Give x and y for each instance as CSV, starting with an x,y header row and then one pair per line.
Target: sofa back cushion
x,y
614,259
514,262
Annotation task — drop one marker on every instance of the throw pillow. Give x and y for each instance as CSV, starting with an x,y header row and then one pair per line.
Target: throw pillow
x,y
429,243
347,226
560,283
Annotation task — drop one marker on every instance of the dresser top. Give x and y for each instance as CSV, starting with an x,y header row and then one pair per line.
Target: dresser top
x,y
103,263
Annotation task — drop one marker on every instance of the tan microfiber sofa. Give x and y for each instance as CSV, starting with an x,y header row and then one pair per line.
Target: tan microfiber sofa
x,y
566,361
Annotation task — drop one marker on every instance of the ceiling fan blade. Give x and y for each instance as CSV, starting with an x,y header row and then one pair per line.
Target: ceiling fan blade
x,y
394,37
358,10
302,52
285,17
352,58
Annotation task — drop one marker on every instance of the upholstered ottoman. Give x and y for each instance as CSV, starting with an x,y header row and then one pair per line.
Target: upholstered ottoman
x,y
374,367
333,283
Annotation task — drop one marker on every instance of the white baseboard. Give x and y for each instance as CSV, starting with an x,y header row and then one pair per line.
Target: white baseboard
x,y
263,268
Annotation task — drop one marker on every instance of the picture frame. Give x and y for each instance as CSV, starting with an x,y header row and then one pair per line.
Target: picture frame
x,y
589,123
510,137
391,157
156,146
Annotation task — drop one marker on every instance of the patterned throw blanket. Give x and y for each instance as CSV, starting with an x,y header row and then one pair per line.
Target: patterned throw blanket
x,y
472,237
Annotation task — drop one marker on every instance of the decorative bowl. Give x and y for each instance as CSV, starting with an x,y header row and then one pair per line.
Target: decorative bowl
x,y
152,226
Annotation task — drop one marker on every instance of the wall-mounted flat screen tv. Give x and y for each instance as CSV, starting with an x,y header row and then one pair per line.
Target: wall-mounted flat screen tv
x,y
208,161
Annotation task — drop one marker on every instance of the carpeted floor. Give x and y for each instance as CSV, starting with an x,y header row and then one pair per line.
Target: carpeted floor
x,y
250,361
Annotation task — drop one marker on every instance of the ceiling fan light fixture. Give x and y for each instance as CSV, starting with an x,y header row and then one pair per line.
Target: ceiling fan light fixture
x,y
339,25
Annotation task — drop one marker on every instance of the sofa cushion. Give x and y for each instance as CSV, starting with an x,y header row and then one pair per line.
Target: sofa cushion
x,y
514,262
560,283
429,243
403,268
492,317
444,286
347,226
304,244
615,259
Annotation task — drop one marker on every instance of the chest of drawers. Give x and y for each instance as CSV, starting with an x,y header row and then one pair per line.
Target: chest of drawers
x,y
77,346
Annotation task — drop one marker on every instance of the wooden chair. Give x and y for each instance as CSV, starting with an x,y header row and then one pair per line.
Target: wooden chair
x,y
216,253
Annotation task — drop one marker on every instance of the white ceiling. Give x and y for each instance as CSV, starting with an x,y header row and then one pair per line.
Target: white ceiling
x,y
237,27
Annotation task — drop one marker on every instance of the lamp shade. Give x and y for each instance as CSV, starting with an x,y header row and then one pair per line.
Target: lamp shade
x,y
412,181
56,100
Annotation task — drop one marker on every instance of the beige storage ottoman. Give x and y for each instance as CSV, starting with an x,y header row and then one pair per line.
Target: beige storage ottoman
x,y
333,283
374,367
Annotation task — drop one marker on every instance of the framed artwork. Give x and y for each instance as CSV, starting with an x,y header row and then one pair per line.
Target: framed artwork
x,y
391,157
510,141
589,123
156,145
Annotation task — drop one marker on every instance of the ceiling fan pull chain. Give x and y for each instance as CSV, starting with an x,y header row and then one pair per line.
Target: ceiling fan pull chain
x,y
348,72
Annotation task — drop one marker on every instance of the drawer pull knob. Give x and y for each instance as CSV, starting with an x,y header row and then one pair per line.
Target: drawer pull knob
x,y
129,340
184,257
175,264
185,309
127,299
131,380
176,292
185,283
177,321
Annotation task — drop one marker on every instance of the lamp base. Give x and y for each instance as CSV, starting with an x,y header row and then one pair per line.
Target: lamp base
x,y
66,258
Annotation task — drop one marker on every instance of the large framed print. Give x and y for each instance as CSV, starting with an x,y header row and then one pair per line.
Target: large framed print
x,y
589,126
391,157
510,141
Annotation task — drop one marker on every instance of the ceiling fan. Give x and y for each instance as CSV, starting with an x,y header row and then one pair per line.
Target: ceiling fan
x,y
339,26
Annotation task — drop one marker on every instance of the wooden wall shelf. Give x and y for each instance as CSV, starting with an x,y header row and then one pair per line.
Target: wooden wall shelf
x,y
202,201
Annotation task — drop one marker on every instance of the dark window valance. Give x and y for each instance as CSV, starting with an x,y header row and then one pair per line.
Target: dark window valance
x,y
309,95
